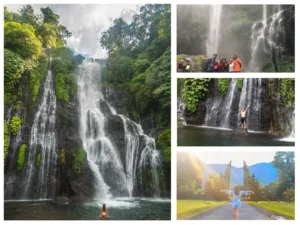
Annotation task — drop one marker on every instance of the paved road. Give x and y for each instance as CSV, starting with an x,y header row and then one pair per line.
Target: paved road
x,y
225,212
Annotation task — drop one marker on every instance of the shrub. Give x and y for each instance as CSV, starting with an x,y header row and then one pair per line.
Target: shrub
x,y
164,142
223,84
20,38
37,75
6,142
15,125
60,87
288,91
79,156
194,91
13,70
239,83
21,157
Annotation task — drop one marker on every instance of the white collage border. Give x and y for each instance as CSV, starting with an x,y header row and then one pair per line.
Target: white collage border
x,y
174,104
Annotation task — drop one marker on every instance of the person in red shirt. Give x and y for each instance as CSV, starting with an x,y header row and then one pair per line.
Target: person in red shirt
x,y
237,64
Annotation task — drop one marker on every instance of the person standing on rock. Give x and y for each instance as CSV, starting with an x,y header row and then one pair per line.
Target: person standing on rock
x,y
210,65
103,212
243,119
236,199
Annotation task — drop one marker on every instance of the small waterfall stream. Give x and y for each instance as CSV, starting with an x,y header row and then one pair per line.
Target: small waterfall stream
x,y
115,168
43,143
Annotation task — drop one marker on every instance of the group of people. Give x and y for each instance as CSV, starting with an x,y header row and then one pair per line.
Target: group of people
x,y
184,65
223,64
213,65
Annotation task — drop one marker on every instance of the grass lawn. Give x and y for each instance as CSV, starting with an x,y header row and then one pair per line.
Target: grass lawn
x,y
186,209
286,209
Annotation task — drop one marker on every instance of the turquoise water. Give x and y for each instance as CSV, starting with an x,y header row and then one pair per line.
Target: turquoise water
x,y
119,209
203,136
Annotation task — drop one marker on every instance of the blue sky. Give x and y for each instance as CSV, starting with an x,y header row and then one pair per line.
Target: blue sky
x,y
86,22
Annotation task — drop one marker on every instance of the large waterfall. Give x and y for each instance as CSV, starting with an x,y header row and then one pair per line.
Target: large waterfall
x,y
119,168
267,39
224,112
214,34
40,166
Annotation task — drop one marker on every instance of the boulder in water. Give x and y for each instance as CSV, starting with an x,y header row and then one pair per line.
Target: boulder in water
x,y
61,200
238,132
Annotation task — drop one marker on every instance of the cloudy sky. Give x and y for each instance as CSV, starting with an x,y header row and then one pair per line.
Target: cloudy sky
x,y
237,158
86,22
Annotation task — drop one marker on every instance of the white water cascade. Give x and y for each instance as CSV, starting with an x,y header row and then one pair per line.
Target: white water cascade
x,y
214,36
251,96
265,39
42,144
229,99
291,137
115,168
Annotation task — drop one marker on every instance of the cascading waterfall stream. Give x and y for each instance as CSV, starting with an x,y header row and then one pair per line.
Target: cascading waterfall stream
x,y
265,39
251,96
43,142
213,39
229,99
105,158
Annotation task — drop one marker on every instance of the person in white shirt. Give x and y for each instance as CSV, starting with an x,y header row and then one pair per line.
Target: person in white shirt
x,y
230,67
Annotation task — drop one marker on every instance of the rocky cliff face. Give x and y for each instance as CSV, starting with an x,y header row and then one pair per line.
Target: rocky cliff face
x,y
267,111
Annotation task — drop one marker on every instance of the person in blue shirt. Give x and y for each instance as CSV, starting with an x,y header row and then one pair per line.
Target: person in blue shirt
x,y
236,199
211,63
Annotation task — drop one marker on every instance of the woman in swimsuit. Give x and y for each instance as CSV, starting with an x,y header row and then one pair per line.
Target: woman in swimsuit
x,y
103,212
236,199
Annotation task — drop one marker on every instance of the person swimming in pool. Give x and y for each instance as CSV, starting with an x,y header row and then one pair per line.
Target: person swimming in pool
x,y
243,119
236,199
103,212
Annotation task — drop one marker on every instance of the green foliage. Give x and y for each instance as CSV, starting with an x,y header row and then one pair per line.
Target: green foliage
x,y
49,16
239,83
37,75
38,160
27,15
48,33
287,91
65,82
6,139
15,125
21,157
164,142
13,70
139,61
284,65
194,91
284,162
190,171
284,209
60,87
223,85
21,39
79,157
289,194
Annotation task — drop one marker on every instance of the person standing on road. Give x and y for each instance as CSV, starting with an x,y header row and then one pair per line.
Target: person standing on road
x,y
236,199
